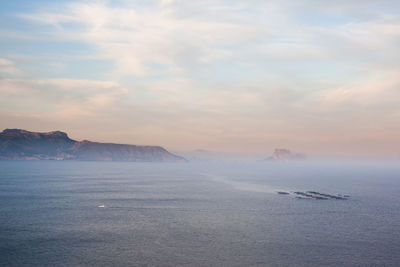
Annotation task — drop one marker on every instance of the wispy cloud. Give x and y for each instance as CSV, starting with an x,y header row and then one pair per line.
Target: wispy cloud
x,y
8,67
229,75
137,39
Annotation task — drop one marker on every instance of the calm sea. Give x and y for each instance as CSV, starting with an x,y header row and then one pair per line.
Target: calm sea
x,y
198,214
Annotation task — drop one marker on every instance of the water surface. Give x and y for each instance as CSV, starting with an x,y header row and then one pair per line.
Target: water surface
x,y
197,214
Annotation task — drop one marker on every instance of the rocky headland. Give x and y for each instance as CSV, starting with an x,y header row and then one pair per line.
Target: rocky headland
x,y
281,154
17,144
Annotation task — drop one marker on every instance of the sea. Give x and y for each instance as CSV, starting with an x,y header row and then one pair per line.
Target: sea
x,y
66,213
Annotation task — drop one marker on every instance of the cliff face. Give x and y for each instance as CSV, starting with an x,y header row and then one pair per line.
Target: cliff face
x,y
16,144
285,155
87,150
21,144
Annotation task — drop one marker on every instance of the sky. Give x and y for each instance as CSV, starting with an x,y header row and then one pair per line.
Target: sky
x,y
317,77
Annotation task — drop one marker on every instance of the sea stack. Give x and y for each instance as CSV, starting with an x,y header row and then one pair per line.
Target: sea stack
x,y
281,154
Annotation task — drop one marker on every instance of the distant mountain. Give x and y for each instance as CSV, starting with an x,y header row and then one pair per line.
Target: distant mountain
x,y
281,154
16,144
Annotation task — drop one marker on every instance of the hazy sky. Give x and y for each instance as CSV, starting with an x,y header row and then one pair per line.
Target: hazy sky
x,y
319,77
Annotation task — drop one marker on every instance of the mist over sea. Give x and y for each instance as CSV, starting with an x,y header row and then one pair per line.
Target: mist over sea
x,y
198,214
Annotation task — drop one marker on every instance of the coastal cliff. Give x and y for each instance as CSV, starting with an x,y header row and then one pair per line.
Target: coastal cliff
x,y
17,144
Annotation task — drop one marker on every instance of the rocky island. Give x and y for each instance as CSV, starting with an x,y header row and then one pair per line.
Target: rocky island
x,y
281,154
17,144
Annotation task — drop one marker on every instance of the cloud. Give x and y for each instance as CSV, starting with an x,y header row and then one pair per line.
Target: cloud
x,y
138,39
382,88
8,67
241,75
180,38
57,96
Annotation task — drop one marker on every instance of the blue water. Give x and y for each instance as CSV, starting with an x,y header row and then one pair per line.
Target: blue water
x,y
197,214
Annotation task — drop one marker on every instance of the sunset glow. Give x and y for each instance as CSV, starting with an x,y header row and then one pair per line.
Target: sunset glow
x,y
316,77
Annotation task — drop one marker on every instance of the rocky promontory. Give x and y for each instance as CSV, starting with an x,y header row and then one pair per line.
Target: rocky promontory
x,y
281,154
17,144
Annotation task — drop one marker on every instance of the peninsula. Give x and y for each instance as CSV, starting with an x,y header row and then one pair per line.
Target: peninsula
x,y
17,144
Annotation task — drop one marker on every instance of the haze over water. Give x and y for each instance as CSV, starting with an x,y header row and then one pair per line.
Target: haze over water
x,y
208,80
198,214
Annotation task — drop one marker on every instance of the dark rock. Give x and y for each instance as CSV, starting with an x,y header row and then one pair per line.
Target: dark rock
x,y
282,193
326,195
317,195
